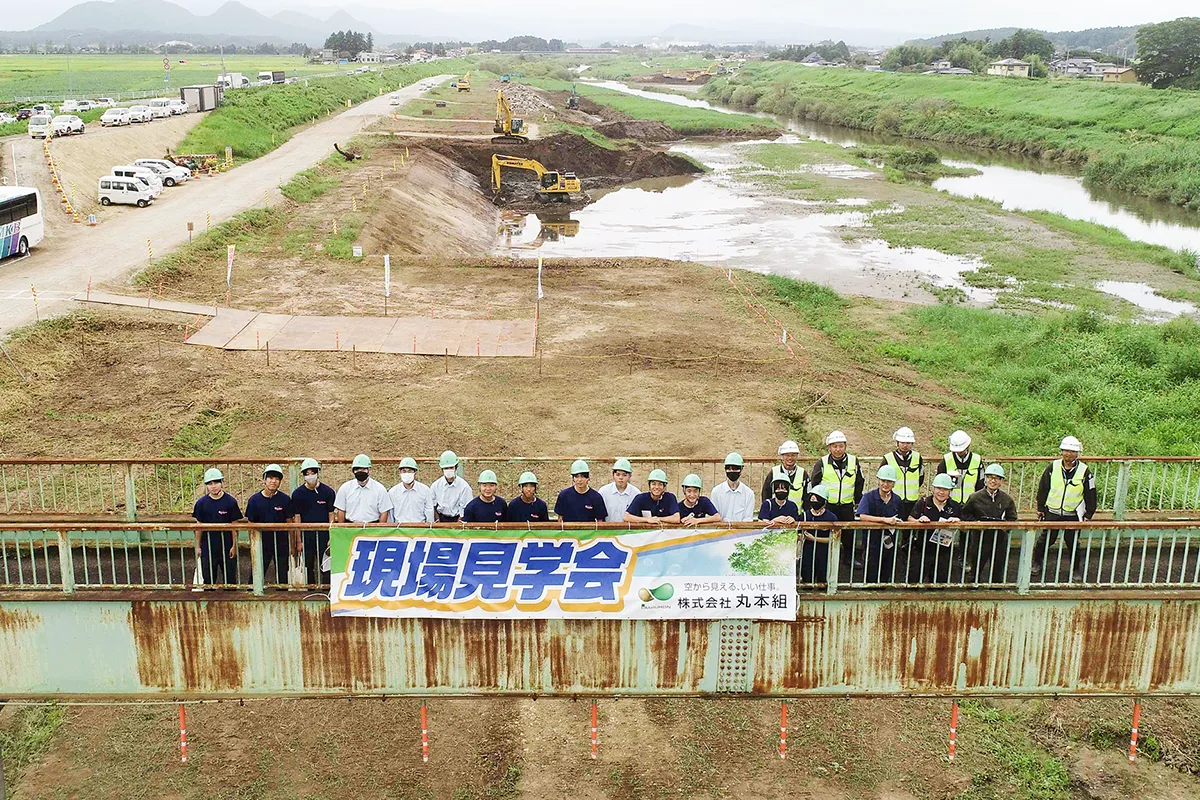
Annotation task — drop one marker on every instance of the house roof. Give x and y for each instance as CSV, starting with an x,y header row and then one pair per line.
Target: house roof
x,y
1010,62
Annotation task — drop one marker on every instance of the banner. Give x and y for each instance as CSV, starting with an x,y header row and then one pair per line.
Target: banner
x,y
677,573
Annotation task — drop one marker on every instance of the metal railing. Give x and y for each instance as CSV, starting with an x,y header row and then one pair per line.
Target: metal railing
x,y
161,488
1008,556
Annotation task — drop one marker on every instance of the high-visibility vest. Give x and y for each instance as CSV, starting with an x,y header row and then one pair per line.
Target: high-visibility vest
x,y
1066,495
841,488
795,485
965,487
909,485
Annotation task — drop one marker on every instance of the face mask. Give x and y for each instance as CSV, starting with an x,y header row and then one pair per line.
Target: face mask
x,y
408,477
361,476
449,473
781,494
733,474
312,480
816,503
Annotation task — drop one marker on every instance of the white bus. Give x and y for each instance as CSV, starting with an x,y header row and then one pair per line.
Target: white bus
x,y
21,223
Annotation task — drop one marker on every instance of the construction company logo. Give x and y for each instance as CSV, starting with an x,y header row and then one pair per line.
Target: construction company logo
x,y
391,573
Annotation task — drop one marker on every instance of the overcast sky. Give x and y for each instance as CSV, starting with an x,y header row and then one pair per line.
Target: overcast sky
x,y
915,17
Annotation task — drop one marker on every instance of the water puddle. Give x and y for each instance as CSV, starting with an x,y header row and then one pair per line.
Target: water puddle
x,y
1143,296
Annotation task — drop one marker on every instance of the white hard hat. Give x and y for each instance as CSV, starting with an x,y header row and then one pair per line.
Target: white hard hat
x,y
835,436
1071,443
904,435
959,441
789,447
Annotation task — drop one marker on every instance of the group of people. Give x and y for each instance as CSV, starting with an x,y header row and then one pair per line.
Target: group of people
x,y
831,491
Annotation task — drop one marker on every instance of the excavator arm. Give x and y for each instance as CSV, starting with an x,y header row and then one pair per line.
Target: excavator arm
x,y
508,127
557,185
514,162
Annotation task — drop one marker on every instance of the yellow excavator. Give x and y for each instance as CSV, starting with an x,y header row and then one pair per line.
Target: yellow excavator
x,y
507,126
464,83
552,185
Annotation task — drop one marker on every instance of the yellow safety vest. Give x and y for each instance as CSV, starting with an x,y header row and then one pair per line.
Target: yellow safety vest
x,y
841,489
1065,495
796,484
965,486
909,485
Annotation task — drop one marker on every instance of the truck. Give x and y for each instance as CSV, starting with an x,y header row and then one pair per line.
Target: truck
x,y
233,80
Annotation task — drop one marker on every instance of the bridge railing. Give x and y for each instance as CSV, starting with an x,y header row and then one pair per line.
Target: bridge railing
x,y
156,489
1018,557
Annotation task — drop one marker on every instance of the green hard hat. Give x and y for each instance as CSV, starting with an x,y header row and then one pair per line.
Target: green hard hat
x,y
448,460
887,473
278,470
820,490
527,477
487,476
213,474
623,465
994,469
408,462
579,466
734,460
361,460
943,481
657,475
693,480
310,463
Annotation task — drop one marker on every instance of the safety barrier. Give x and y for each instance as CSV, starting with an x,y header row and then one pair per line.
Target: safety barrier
x,y
168,487
1006,556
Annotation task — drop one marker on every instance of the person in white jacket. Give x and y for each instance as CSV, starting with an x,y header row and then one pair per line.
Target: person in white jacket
x,y
449,494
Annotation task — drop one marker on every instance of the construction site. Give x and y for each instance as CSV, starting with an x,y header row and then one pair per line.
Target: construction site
x,y
427,285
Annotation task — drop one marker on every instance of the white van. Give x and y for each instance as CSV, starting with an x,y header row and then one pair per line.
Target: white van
x,y
170,173
146,176
124,191
39,126
160,108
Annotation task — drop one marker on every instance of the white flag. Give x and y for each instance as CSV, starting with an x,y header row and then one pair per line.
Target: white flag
x,y
229,268
387,276
540,295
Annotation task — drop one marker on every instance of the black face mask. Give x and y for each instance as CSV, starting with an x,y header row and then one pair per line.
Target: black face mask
x,y
361,476
781,494
816,503
733,474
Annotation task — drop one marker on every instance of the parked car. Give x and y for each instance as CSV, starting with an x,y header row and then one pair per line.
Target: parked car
x,y
124,191
168,172
6,118
39,126
24,113
84,105
43,108
115,117
160,108
66,124
69,106
177,106
140,114
103,102
140,174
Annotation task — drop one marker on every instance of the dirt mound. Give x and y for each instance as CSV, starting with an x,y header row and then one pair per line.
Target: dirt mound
x,y
644,130
525,99
596,166
434,212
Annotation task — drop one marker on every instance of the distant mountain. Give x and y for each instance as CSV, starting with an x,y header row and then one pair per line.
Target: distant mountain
x,y
1107,40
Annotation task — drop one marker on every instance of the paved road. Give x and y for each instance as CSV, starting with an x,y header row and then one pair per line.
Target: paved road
x,y
61,268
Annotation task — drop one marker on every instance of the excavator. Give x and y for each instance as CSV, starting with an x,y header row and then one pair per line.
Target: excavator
x,y
552,185
506,125
464,83
573,100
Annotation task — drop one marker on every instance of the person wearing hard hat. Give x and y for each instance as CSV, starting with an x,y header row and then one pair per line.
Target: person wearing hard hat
x,y
312,502
696,509
527,506
657,504
931,552
965,467
733,499
989,504
1066,493
410,497
216,549
579,502
841,474
266,506
789,456
449,494
362,499
814,547
487,507
880,505
619,493
778,509
910,469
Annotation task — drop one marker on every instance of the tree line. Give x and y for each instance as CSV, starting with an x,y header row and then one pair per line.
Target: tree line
x,y
975,55
350,43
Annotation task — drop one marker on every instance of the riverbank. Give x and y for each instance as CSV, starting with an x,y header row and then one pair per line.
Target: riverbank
x,y
1130,138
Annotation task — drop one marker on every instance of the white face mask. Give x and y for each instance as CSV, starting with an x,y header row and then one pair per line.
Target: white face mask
x,y
312,480
408,476
449,473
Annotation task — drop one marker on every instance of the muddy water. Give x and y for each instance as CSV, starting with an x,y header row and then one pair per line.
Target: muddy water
x,y
1016,183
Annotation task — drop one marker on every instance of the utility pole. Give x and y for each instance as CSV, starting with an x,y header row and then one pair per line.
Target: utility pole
x,y
223,72
70,85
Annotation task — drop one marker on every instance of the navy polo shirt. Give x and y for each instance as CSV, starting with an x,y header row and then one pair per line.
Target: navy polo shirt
x,y
215,512
520,511
263,509
873,505
771,509
314,505
572,506
704,508
479,510
664,506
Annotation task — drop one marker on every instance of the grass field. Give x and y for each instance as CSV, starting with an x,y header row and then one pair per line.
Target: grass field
x,y
45,77
1127,137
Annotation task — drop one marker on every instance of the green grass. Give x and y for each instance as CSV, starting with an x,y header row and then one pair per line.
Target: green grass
x,y
245,231
1127,137
1022,769
255,121
911,163
28,736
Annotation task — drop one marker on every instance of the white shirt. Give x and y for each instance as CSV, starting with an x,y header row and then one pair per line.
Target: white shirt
x,y
616,501
450,498
734,505
362,503
411,503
